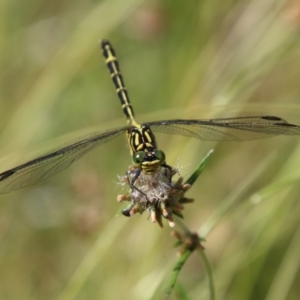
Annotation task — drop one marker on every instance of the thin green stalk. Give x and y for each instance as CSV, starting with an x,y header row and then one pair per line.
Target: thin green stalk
x,y
194,239
180,263
209,275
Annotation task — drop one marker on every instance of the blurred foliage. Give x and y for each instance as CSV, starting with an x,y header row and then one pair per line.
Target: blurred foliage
x,y
199,59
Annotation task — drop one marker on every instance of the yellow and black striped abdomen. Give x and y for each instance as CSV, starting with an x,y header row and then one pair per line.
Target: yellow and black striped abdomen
x,y
114,70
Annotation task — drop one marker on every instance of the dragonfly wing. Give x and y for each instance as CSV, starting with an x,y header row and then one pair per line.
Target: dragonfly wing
x,y
239,129
49,164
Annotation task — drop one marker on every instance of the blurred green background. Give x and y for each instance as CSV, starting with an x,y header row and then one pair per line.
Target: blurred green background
x,y
61,239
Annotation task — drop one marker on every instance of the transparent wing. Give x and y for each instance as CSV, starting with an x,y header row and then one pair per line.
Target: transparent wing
x,y
49,164
242,128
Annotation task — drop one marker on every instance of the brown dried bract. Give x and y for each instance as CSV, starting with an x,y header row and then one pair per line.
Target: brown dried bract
x,y
188,241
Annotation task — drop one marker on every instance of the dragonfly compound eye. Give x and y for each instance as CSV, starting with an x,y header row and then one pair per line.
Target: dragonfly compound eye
x,y
138,158
160,155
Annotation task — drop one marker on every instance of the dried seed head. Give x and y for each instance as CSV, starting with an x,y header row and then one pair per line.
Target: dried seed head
x,y
156,193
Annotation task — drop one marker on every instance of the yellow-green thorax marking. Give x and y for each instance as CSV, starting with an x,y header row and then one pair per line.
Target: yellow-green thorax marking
x,y
141,140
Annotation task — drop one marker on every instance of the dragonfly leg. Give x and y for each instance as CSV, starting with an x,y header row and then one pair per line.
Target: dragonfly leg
x,y
132,181
170,169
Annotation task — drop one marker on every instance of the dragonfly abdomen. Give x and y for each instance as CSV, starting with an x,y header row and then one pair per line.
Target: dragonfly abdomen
x,y
114,70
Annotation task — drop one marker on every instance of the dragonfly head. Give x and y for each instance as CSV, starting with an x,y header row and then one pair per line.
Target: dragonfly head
x,y
148,160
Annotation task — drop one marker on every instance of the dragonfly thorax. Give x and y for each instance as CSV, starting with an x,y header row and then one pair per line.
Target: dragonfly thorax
x,y
149,160
140,138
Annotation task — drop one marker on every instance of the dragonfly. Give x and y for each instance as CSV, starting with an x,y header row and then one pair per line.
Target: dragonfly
x,y
146,157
